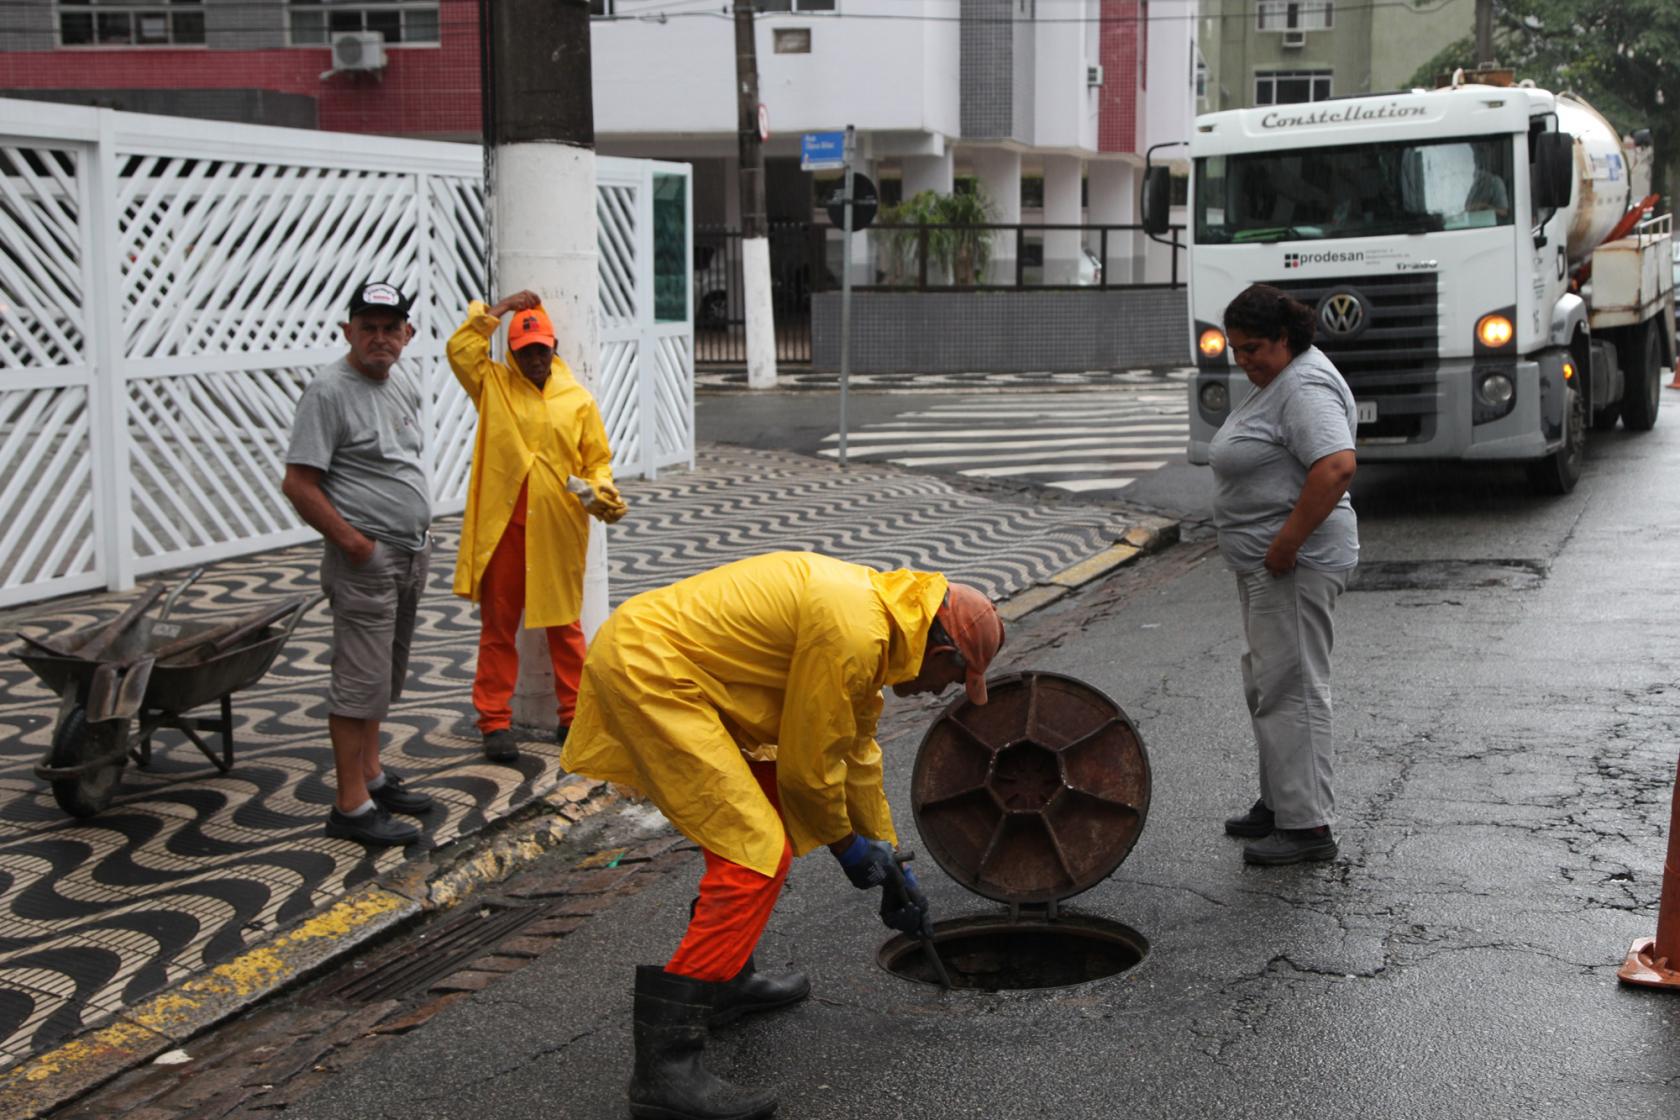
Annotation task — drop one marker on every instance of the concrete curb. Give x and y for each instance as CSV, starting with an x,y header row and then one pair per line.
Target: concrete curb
x,y
1149,535
164,1021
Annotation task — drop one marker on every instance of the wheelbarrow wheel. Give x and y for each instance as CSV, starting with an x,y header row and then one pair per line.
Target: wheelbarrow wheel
x,y
74,743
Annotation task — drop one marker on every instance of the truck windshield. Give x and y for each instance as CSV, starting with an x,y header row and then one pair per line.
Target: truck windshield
x,y
1363,190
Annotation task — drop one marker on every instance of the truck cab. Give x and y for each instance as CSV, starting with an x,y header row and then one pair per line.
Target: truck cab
x,y
1446,241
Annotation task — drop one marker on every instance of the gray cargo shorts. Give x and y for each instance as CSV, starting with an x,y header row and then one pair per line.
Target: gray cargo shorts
x,y
373,611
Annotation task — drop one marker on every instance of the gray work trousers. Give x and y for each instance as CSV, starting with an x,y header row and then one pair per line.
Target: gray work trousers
x,y
1288,623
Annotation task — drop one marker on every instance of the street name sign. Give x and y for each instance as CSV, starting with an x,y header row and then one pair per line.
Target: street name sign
x,y
822,151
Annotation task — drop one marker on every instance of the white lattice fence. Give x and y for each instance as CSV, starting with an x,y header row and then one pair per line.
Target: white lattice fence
x,y
168,287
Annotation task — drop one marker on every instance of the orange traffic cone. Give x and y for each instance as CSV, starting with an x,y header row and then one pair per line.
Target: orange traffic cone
x,y
1675,384
1654,962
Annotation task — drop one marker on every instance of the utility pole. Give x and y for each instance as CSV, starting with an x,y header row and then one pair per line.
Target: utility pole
x,y
1484,33
755,242
540,177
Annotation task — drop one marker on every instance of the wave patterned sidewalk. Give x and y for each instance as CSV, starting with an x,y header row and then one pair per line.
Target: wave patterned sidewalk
x,y
189,867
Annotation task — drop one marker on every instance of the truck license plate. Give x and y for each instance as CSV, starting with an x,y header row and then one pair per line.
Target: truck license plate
x,y
1367,411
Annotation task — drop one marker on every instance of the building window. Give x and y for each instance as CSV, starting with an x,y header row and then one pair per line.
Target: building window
x,y
130,23
1295,15
793,40
796,5
600,7
1286,87
315,22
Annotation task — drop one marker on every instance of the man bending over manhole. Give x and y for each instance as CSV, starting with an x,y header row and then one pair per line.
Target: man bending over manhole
x,y
743,702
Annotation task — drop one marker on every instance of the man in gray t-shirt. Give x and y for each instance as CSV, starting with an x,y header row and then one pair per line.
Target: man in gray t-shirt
x,y
354,472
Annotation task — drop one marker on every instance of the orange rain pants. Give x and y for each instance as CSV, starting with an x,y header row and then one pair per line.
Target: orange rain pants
x,y
733,908
500,607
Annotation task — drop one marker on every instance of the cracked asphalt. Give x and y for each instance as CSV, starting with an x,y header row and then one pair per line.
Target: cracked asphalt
x,y
1507,759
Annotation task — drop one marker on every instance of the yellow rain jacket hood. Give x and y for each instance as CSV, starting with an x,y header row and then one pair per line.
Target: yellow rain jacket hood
x,y
781,657
526,436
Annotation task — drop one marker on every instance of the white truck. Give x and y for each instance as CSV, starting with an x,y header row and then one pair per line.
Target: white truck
x,y
1476,256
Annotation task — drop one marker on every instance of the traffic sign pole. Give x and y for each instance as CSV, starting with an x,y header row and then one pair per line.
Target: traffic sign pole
x,y
846,294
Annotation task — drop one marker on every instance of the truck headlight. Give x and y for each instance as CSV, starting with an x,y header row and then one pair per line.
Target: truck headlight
x,y
1211,343
1495,331
1495,392
1215,397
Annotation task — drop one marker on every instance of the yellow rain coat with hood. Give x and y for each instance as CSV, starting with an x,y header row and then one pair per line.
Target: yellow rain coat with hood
x,y
527,437
781,657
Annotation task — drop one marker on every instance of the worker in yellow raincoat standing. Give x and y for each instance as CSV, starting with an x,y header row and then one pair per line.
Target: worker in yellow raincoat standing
x,y
743,702
526,529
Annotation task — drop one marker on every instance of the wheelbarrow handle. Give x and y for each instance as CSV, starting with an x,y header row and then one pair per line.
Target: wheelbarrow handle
x,y
192,578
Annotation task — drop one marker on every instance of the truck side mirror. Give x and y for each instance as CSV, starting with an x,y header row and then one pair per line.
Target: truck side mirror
x,y
1157,200
1554,170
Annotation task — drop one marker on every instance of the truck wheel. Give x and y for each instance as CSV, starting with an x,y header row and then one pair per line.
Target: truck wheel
x,y
1558,472
1643,391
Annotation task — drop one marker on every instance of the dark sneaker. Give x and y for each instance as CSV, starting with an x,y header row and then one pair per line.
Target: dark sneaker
x,y
1292,845
501,746
397,798
560,734
375,827
1256,822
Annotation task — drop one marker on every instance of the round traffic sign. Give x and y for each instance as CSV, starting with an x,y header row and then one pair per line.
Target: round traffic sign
x,y
864,202
763,122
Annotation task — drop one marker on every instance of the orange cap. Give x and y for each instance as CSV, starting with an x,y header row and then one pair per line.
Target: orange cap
x,y
528,327
976,630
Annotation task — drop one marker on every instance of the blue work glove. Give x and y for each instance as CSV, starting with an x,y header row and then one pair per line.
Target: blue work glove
x,y
868,863
903,905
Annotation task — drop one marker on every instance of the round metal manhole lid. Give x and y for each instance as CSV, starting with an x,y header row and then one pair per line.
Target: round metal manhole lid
x,y
1035,796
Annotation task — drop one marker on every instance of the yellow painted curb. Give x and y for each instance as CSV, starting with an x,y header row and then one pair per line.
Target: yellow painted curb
x,y
154,1025
1020,605
1094,567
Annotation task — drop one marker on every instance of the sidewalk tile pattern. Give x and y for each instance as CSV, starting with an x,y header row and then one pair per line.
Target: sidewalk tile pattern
x,y
190,867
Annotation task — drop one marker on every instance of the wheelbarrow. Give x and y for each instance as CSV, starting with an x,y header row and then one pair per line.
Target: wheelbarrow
x,y
120,683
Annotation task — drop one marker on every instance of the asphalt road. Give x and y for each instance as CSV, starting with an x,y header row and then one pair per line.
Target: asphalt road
x,y
1507,722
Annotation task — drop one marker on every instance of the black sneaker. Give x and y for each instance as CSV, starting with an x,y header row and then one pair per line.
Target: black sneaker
x,y
1258,821
396,797
501,746
560,734
1292,845
374,827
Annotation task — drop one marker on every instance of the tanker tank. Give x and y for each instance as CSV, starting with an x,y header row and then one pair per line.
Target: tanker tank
x,y
1602,192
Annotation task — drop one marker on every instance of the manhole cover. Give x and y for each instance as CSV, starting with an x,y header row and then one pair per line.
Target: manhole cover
x,y
1448,575
997,954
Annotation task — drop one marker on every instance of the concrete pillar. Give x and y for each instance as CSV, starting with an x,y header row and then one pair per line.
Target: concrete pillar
x,y
1113,202
999,173
928,173
1062,207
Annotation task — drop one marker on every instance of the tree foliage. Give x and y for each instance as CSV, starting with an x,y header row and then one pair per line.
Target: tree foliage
x,y
1623,56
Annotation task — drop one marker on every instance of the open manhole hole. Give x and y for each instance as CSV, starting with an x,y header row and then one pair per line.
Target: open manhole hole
x,y
996,954
1029,800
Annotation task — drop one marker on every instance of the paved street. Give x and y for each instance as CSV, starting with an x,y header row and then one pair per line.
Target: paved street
x,y
1507,721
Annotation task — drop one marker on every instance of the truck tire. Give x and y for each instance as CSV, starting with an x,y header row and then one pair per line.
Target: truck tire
x,y
1642,389
1558,472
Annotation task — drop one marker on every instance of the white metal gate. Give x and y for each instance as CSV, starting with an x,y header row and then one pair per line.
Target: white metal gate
x,y
167,287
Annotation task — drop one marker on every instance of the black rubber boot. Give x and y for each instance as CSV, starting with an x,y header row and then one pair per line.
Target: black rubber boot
x,y
671,1081
753,991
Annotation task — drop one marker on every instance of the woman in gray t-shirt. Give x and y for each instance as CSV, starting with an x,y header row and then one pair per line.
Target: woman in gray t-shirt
x,y
1282,463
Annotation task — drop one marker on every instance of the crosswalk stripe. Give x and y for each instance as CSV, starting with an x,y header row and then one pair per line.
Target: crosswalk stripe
x,y
1056,468
1027,457
1084,485
1179,428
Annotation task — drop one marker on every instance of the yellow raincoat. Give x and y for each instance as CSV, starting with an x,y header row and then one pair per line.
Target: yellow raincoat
x,y
779,656
527,434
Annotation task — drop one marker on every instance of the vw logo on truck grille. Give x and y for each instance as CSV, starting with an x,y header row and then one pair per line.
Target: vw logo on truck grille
x,y
1342,314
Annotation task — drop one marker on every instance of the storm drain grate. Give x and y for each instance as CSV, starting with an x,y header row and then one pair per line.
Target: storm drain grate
x,y
1448,575
432,955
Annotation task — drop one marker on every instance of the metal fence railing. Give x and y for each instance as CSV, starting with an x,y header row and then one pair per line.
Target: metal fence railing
x,y
720,315
932,257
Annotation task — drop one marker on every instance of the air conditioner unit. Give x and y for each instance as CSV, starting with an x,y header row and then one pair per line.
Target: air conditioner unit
x,y
1093,75
1294,38
358,50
